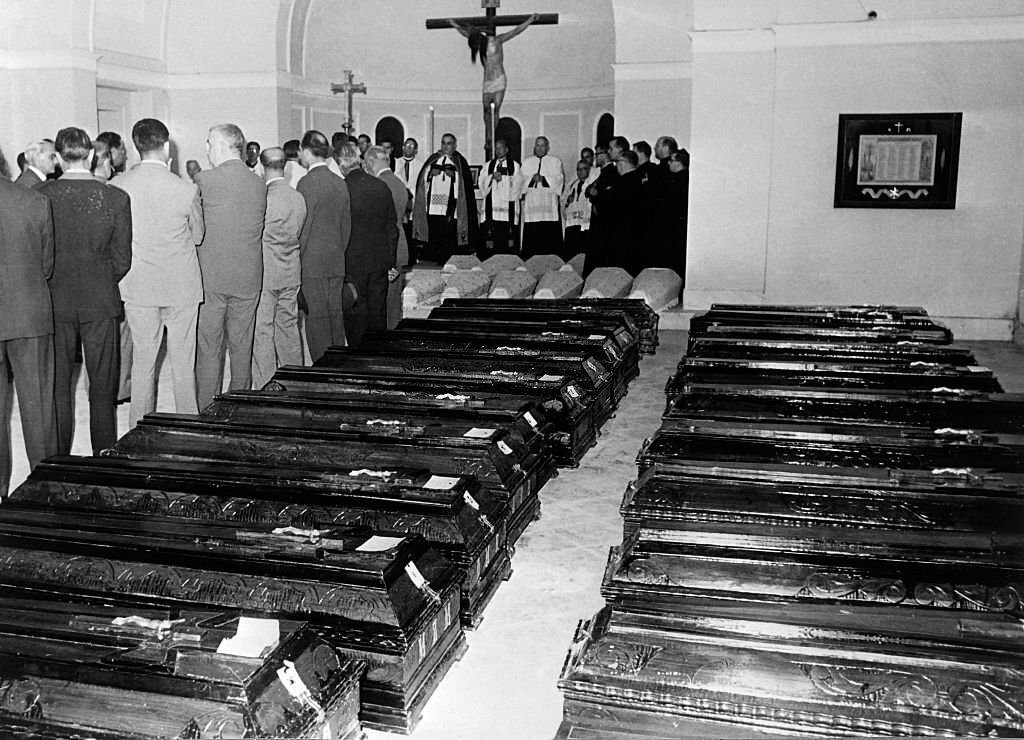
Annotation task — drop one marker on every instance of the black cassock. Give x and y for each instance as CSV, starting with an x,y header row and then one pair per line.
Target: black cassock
x,y
623,225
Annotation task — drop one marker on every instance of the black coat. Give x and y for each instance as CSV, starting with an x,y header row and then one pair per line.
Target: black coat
x,y
373,244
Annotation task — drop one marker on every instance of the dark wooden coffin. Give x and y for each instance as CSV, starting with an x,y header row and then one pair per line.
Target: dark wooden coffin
x,y
662,498
463,520
513,475
836,317
864,310
657,675
832,374
746,447
824,566
584,370
77,669
775,349
797,332
565,403
395,608
497,339
643,317
968,410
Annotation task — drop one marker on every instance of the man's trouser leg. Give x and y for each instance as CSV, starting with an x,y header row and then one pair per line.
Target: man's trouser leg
x,y
377,301
356,318
210,347
147,330
6,404
325,321
31,360
264,349
182,323
65,345
100,341
287,341
241,317
124,383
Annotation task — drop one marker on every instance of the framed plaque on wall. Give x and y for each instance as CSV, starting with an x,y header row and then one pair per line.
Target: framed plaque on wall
x,y
906,160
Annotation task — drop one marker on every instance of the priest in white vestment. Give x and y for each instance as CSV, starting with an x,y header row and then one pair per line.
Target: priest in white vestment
x,y
501,184
545,178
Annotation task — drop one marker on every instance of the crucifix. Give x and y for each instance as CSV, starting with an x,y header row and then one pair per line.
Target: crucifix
x,y
350,87
485,41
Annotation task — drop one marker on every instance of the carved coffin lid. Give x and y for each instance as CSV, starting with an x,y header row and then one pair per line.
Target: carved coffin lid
x,y
384,584
191,437
500,337
870,457
868,435
864,375
983,412
661,496
536,321
638,315
449,510
837,316
862,310
584,368
153,671
819,565
526,422
886,335
561,396
781,349
773,676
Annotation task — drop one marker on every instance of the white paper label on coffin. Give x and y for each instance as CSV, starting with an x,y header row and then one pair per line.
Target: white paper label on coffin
x,y
252,637
505,449
378,543
480,433
530,419
552,378
441,483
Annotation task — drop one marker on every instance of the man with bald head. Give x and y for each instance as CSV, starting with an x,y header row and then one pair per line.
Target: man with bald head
x,y
40,163
231,258
276,341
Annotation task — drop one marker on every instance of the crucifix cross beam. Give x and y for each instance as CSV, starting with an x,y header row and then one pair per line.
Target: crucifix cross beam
x,y
350,87
491,21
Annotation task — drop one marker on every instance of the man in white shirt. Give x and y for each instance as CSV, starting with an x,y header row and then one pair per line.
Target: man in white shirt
x,y
545,177
576,209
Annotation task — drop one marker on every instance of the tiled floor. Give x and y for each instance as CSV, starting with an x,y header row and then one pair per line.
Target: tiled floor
x,y
505,686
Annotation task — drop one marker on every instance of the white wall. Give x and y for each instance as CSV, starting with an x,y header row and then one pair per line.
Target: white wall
x,y
766,103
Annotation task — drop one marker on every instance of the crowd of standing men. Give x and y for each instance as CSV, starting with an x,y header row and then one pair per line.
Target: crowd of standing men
x,y
100,262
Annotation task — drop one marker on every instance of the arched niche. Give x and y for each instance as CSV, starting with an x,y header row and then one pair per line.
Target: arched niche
x,y
509,129
390,129
605,129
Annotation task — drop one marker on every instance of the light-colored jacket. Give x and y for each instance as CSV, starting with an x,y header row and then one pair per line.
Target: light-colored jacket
x,y
167,224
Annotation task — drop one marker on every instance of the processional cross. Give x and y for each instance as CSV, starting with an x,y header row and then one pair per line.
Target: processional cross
x,y
485,41
350,87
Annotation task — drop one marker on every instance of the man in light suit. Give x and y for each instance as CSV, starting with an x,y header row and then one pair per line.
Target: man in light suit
x,y
323,241
26,323
40,163
277,341
378,163
231,258
163,288
370,259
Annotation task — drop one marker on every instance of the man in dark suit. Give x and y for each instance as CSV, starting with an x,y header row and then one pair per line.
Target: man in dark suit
x,y
26,323
92,229
378,162
40,163
372,250
322,242
231,259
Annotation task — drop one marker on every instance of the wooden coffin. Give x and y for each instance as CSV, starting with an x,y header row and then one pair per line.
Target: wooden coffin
x,y
746,447
819,566
662,675
865,310
78,669
764,349
514,476
452,513
835,318
796,332
662,498
585,372
618,325
565,403
641,319
395,608
499,338
832,374
968,410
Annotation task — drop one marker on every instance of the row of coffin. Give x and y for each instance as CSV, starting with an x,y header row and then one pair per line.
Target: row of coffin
x,y
307,555
826,538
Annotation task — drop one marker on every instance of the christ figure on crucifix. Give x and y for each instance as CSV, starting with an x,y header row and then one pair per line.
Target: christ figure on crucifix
x,y
490,46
